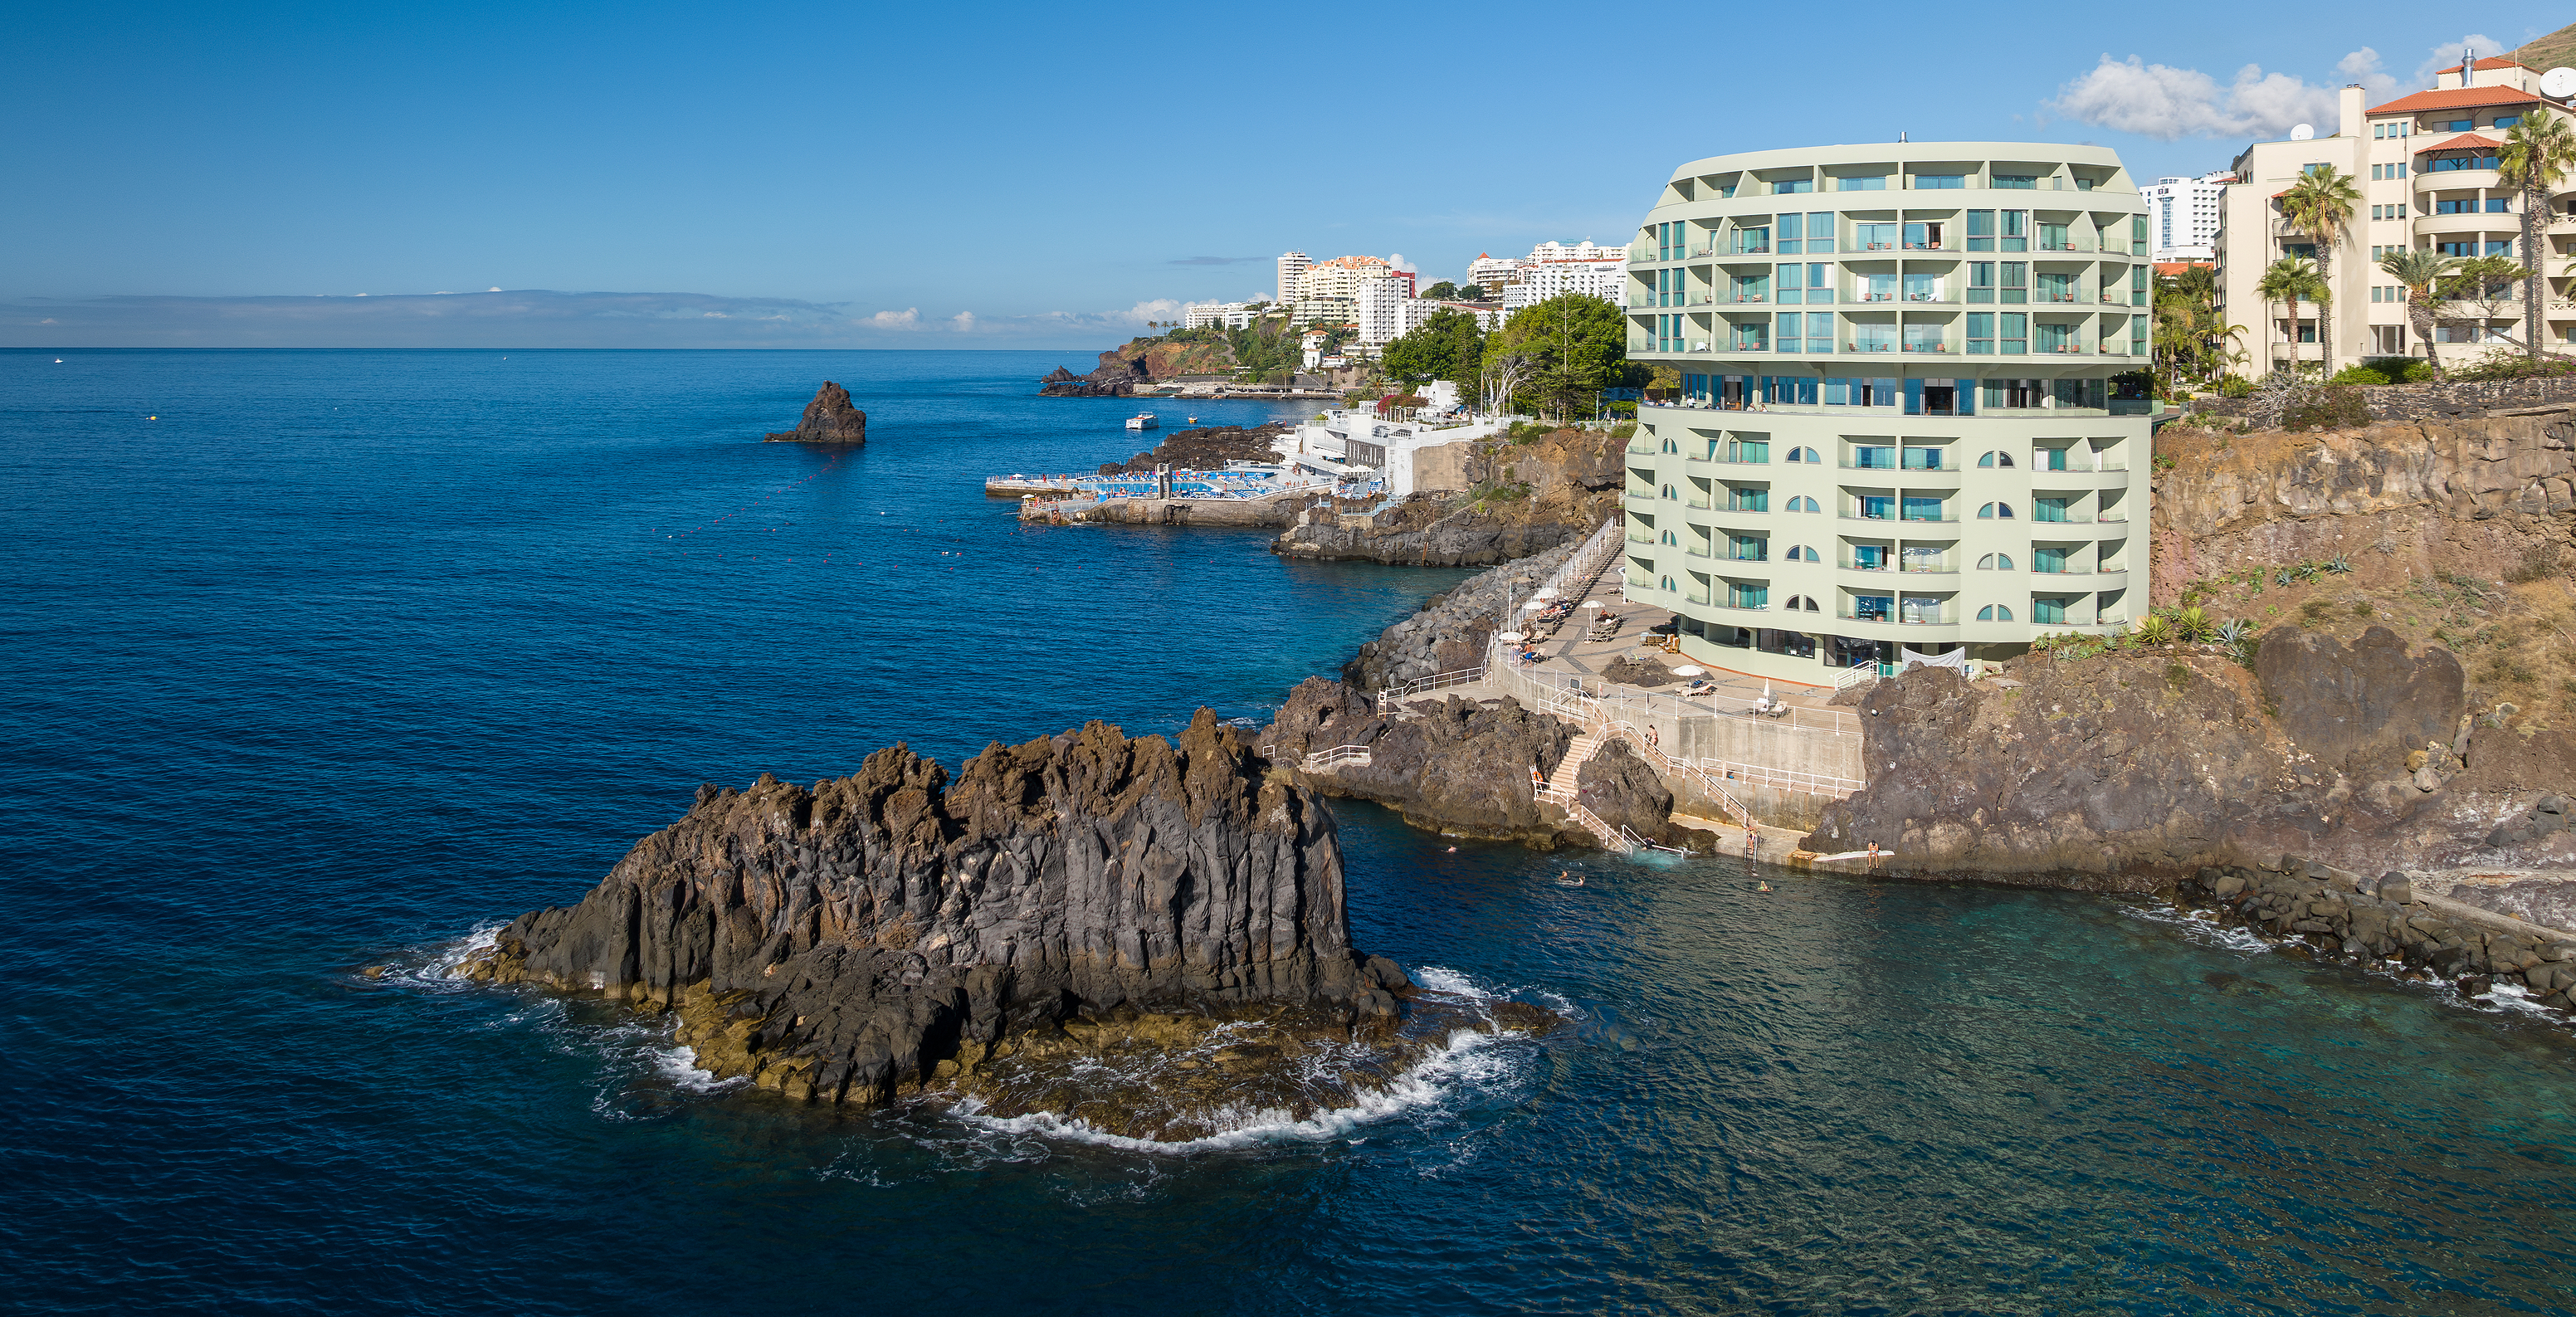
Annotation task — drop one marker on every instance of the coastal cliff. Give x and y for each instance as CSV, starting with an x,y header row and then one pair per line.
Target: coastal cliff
x,y
2399,501
829,419
853,941
2120,770
1528,496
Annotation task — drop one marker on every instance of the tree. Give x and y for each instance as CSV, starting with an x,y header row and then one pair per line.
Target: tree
x,y
2485,284
2192,338
2290,280
1445,347
2419,268
2320,205
1501,376
2537,153
1442,291
1575,343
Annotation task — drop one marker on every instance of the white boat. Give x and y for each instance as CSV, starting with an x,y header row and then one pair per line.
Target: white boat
x,y
1142,421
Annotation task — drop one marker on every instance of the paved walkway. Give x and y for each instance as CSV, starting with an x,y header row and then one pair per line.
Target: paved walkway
x,y
1568,656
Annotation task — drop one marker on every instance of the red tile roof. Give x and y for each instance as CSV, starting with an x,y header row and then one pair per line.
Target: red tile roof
x,y
2455,98
2168,268
2463,142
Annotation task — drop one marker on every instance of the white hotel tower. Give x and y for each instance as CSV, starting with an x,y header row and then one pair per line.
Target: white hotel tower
x,y
1898,433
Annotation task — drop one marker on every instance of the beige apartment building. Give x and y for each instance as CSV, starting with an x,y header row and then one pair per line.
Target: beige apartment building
x,y
2425,165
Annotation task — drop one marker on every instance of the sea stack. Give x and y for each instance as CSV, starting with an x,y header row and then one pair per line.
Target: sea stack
x,y
852,941
829,419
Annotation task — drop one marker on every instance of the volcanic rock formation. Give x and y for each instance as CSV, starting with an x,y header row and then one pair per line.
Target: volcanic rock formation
x,y
1115,377
852,941
829,419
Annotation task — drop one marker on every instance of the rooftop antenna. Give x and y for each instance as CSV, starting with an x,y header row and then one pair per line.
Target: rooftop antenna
x,y
1900,135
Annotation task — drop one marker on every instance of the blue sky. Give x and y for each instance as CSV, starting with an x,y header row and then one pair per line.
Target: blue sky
x,y
929,176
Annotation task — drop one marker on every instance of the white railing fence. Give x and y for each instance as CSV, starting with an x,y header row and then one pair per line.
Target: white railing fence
x,y
1337,756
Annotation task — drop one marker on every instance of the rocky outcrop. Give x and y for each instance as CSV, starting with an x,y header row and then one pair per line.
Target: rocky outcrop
x,y
1449,632
829,419
2398,501
1115,377
1528,497
2344,915
2122,770
1622,790
1455,766
847,941
1208,448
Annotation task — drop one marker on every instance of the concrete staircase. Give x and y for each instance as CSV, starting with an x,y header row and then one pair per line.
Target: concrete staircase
x,y
1562,781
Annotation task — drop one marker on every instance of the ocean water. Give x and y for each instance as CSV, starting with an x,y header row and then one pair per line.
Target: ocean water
x,y
316,660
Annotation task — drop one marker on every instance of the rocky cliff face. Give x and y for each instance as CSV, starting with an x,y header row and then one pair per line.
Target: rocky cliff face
x,y
1450,765
2120,770
847,941
1449,632
2399,500
1531,496
829,419
1115,377
1207,448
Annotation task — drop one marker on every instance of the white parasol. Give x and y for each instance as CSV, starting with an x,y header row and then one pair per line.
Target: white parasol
x,y
1513,636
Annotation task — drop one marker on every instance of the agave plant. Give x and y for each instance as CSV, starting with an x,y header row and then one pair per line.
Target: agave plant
x,y
2193,623
2235,631
2281,577
2153,629
2340,565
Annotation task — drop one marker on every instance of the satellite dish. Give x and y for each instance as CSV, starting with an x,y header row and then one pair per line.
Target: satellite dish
x,y
2558,84
2303,132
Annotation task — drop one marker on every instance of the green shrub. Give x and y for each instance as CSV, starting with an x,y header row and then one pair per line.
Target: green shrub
x,y
2232,385
1625,429
2315,610
2385,370
2509,363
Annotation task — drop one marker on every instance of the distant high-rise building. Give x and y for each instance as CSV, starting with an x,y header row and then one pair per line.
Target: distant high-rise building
x,y
1292,278
2182,215
1492,272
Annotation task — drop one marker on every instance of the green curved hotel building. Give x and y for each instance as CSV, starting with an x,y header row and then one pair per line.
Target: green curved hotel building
x,y
1903,428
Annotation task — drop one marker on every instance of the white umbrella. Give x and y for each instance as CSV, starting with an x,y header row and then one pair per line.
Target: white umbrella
x,y
1512,636
1690,672
1548,593
1533,606
1592,603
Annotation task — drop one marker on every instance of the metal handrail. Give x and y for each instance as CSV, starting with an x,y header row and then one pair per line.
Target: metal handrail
x,y
1338,755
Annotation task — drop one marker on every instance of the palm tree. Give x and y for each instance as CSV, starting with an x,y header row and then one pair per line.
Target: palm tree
x,y
2419,268
2290,279
2537,153
2321,205
2485,283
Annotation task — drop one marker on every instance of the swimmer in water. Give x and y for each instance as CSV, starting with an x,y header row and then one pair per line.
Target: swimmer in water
x,y
1762,887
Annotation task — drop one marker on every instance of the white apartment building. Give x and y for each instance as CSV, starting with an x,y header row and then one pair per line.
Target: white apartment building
x,y
1231,315
1341,276
1324,311
1586,250
1292,277
1898,431
1543,278
2426,166
2182,216
1493,272
1387,310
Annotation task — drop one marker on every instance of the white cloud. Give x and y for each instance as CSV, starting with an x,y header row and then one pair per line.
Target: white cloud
x,y
1161,308
2447,55
1401,265
2167,103
963,322
904,319
2362,66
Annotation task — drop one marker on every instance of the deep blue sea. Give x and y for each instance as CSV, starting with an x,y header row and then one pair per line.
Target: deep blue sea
x,y
317,660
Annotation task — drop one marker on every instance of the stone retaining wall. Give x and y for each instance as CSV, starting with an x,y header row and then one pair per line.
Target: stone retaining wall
x,y
2346,916
2429,402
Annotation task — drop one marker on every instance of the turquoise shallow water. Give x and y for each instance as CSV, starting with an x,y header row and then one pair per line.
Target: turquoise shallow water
x,y
348,654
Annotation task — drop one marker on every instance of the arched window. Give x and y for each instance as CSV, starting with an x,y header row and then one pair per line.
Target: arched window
x,y
1671,447
2003,563
1995,510
1805,455
1668,491
1995,562
1801,553
1994,613
1995,459
1802,503
1799,603
1987,563
1668,538
1668,583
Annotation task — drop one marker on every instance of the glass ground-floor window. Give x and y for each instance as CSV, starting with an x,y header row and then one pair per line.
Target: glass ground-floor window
x,y
2044,610
1843,652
